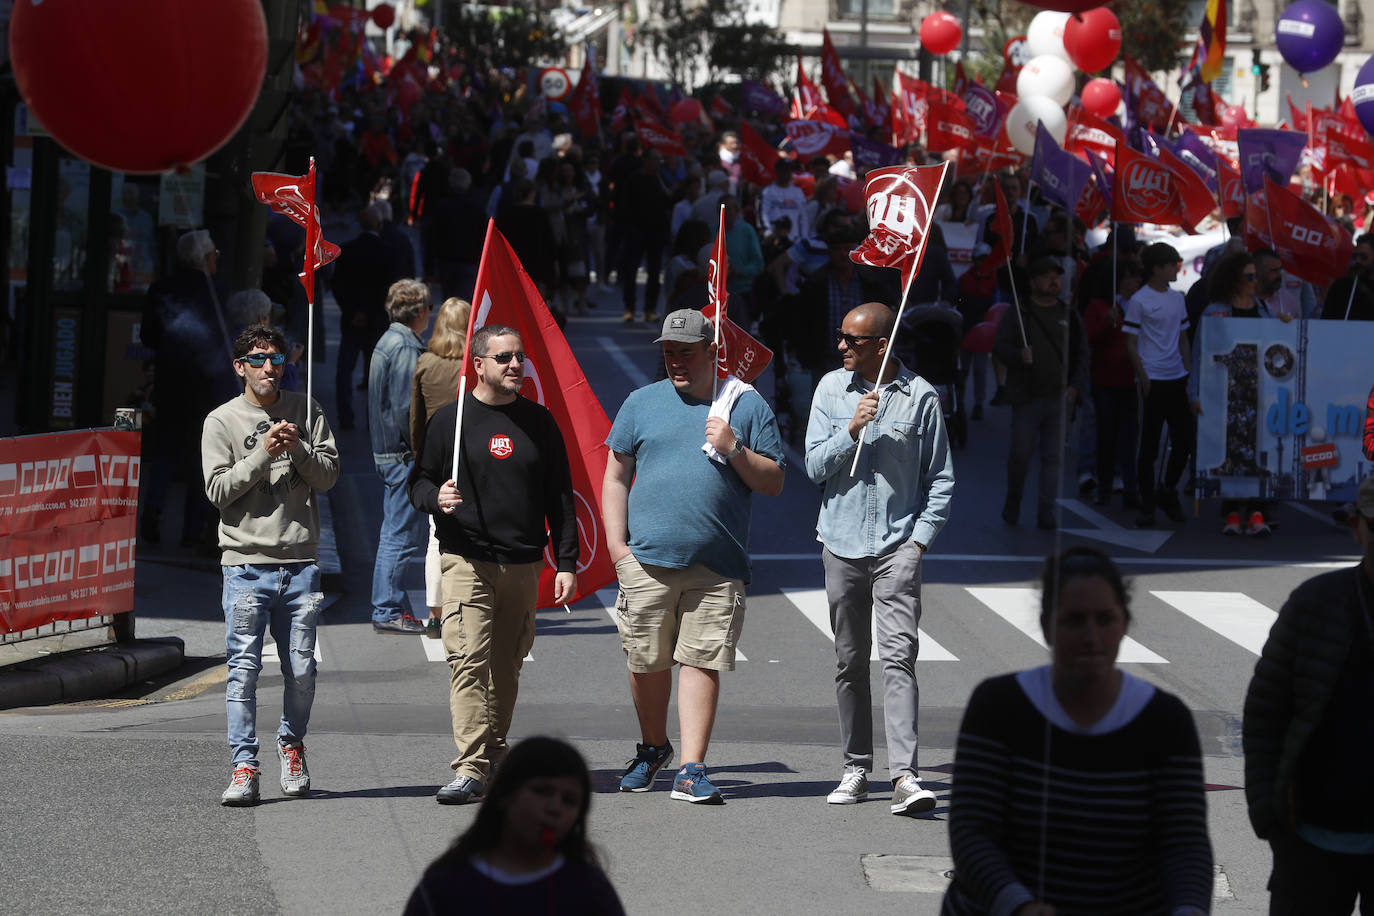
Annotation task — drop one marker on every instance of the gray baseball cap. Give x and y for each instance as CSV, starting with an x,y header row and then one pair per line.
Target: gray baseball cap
x,y
685,326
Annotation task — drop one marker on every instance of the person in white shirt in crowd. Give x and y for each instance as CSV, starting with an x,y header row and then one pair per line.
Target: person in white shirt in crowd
x,y
783,198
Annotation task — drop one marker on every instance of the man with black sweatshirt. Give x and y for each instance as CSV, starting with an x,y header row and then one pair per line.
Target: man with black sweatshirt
x,y
513,477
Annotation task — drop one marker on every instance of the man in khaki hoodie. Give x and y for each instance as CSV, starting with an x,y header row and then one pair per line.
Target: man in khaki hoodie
x,y
265,456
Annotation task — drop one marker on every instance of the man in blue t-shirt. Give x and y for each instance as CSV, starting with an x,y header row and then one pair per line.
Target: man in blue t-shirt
x,y
677,526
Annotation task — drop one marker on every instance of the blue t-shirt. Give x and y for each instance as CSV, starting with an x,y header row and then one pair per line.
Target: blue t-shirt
x,y
685,508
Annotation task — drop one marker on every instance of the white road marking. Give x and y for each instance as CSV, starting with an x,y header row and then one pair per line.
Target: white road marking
x,y
811,602
1238,617
434,648
1020,607
636,375
1226,562
1146,541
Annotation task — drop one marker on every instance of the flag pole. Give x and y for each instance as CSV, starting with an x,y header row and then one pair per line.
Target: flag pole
x,y
467,353
897,322
715,342
311,239
1349,303
1016,303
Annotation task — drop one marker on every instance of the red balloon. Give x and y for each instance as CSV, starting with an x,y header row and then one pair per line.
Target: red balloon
x,y
383,15
995,313
1234,116
1101,97
940,33
146,92
1093,39
980,337
1066,6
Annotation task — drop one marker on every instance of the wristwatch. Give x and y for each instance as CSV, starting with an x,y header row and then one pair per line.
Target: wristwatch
x,y
739,447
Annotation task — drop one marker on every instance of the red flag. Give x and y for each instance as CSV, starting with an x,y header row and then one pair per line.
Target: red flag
x,y
649,104
1195,200
882,108
832,76
506,295
909,108
1002,228
718,270
807,97
901,203
757,160
585,103
1151,104
1089,132
1090,205
1347,148
947,126
1144,190
665,141
1230,189
721,108
621,115
294,196
740,354
816,138
1310,245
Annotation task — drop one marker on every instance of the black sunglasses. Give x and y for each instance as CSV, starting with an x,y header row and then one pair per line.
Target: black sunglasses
x,y
505,357
258,360
852,340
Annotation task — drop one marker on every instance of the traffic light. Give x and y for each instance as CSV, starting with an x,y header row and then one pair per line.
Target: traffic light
x,y
1264,77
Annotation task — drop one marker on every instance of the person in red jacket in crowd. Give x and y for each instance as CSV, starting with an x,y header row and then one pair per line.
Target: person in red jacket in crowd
x,y
1113,387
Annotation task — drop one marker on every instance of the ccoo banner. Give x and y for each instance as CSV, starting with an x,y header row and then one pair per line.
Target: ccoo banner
x,y
68,504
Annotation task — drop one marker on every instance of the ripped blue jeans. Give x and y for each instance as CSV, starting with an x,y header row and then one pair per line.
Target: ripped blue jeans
x,y
285,598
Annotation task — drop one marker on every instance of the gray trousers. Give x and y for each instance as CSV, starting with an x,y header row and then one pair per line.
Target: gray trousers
x,y
1042,420
887,588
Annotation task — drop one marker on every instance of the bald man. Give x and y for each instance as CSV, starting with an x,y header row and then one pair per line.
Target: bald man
x,y
875,527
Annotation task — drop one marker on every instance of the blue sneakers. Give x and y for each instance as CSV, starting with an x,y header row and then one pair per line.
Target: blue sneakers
x,y
648,761
693,785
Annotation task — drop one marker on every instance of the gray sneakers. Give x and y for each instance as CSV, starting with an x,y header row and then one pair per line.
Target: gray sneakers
x,y
909,798
295,775
243,789
853,788
462,790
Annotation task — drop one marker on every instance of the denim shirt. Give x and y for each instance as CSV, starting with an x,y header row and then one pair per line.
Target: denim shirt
x,y
388,394
902,487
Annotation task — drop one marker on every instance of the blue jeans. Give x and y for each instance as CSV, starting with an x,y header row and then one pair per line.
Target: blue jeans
x,y
287,599
403,538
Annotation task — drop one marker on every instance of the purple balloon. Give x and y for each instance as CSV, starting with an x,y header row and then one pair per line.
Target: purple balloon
x,y
1309,35
1363,95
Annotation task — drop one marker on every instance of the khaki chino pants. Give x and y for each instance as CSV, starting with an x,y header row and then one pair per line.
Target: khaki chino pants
x,y
488,628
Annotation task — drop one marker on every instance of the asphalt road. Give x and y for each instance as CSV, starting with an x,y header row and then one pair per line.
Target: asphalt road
x,y
112,806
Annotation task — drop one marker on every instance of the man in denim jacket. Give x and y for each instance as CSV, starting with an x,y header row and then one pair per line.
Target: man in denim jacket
x,y
405,531
875,526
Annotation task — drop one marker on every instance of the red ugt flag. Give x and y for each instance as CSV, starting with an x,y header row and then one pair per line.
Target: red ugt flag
x,y
901,204
585,102
294,196
739,354
757,160
505,294
1144,190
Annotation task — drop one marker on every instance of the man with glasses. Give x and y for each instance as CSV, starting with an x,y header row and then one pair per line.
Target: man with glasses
x,y
404,534
1308,736
513,480
266,456
876,525
676,511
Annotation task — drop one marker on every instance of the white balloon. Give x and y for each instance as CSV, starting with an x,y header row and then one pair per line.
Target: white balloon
x,y
1046,75
1046,34
1029,111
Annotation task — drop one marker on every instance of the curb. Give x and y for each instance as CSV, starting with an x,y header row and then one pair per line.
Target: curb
x,y
89,674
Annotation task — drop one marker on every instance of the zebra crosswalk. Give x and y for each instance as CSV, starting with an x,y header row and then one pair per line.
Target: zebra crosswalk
x,y
1237,618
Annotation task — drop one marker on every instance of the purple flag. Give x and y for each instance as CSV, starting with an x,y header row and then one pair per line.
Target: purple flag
x,y
1160,141
1199,156
1268,152
1104,184
758,97
871,154
985,110
1060,175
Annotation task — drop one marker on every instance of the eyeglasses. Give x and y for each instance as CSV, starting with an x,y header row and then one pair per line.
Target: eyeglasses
x,y
1248,276
505,357
258,360
852,340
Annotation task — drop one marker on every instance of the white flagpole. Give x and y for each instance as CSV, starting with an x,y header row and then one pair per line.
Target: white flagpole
x,y
458,423
897,323
715,358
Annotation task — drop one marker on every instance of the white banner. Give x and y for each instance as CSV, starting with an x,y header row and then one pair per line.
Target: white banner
x,y
1273,393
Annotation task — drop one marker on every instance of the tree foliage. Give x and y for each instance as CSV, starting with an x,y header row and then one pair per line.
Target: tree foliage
x,y
697,41
509,33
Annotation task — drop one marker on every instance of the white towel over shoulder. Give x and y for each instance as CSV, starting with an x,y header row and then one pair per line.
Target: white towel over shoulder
x,y
726,395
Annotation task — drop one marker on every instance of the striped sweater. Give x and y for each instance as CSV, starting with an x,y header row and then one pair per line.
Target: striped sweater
x,y
1125,818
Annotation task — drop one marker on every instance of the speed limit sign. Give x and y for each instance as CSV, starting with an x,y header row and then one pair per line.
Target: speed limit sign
x,y
554,83
1016,52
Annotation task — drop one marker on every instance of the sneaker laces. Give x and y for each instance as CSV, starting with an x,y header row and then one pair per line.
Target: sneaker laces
x,y
295,759
242,776
851,781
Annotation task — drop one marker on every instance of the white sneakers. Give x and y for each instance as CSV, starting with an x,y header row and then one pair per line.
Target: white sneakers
x,y
853,788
